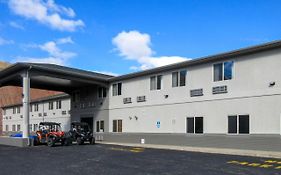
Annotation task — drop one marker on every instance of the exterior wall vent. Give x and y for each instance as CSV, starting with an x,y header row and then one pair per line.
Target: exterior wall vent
x,y
196,92
219,89
141,99
63,112
127,100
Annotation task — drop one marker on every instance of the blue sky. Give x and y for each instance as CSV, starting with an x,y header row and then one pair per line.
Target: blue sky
x,y
122,36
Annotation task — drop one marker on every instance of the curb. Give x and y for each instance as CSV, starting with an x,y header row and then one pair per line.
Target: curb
x,y
225,151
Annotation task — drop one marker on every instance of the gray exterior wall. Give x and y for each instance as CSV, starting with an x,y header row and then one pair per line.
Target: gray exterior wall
x,y
248,93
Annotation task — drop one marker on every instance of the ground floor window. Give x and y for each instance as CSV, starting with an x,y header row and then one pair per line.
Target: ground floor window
x,y
117,126
13,127
18,127
238,124
7,128
100,126
35,127
194,125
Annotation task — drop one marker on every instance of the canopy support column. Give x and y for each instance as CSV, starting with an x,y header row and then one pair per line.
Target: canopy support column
x,y
25,101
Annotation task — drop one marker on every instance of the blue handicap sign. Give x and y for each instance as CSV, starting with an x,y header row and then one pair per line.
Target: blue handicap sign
x,y
158,124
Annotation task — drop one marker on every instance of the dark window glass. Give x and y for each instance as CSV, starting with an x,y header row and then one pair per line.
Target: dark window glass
x,y
159,78
98,126
228,66
218,72
190,125
102,125
175,79
119,125
114,129
182,77
198,125
119,88
100,92
243,124
104,92
232,124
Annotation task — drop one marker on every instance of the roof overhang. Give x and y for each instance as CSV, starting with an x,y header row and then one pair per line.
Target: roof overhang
x,y
52,77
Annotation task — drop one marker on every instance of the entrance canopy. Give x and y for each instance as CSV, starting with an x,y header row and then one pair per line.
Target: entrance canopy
x,y
52,77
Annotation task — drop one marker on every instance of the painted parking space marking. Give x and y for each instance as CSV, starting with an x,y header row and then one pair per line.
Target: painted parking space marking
x,y
134,150
267,164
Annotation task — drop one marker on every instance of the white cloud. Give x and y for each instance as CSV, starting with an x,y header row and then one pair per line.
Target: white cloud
x,y
47,13
55,54
134,45
65,40
16,25
5,42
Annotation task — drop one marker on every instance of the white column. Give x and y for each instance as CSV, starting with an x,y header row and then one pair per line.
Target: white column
x,y
25,101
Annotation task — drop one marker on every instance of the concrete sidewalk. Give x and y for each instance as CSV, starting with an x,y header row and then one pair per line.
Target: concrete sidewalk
x,y
246,145
252,153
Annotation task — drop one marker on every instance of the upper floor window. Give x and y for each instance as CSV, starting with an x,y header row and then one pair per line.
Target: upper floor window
x,y
155,82
18,109
179,78
4,111
58,104
14,110
117,89
36,107
102,92
51,105
223,71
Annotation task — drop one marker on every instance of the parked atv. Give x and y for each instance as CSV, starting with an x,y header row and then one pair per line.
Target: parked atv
x,y
50,133
81,132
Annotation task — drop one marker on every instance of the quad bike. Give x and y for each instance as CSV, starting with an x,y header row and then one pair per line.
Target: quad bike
x,y
50,133
81,132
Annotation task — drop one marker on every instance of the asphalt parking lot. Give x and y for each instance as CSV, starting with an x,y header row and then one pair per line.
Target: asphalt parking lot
x,y
111,159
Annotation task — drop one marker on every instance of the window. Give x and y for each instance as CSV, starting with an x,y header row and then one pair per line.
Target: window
x,y
178,78
98,126
58,104
51,105
30,108
117,126
102,92
155,82
13,127
36,107
7,128
117,89
194,125
18,109
223,71
14,110
35,127
18,127
238,124
102,126
4,111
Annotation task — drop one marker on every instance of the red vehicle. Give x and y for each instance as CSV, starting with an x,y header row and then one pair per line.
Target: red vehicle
x,y
50,133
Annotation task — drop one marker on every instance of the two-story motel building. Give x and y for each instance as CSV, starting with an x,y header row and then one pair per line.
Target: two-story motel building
x,y
232,93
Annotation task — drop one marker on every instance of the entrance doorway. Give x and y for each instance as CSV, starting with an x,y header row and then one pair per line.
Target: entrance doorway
x,y
88,120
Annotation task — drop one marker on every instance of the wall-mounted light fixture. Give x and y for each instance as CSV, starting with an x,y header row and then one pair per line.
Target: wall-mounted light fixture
x,y
271,84
130,117
136,117
166,96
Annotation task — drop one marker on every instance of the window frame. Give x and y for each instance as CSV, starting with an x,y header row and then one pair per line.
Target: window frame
x,y
222,62
117,84
179,82
237,125
156,82
194,126
117,124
